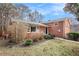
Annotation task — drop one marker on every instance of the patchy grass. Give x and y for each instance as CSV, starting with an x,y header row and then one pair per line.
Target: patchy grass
x,y
56,47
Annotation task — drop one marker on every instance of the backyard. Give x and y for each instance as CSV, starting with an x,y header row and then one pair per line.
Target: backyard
x,y
53,47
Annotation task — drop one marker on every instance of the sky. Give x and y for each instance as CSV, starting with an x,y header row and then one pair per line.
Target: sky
x,y
50,11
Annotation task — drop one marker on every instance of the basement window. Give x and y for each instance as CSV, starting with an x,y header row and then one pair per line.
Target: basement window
x,y
33,29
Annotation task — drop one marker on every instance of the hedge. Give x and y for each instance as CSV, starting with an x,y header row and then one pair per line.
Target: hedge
x,y
73,36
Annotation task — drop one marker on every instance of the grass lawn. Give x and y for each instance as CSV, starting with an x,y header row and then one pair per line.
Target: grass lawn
x,y
56,47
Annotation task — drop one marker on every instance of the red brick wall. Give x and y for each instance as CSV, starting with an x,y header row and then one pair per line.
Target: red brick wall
x,y
56,28
42,29
37,34
22,29
60,28
67,27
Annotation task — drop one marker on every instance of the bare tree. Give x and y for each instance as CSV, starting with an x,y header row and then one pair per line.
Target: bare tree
x,y
7,11
35,16
23,11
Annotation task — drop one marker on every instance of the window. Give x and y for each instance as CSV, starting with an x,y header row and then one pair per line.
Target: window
x,y
33,29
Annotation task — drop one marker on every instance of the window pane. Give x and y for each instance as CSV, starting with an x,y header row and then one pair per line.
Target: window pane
x,y
33,29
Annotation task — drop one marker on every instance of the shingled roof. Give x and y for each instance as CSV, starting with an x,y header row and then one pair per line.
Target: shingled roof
x,y
31,23
57,20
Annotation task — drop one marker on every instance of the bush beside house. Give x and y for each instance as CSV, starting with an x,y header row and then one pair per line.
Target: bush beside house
x,y
73,36
35,36
48,36
28,42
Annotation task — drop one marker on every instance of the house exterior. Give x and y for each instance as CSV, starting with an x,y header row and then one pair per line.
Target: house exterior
x,y
36,30
30,30
59,27
26,30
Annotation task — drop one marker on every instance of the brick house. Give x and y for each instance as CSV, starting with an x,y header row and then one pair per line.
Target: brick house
x,y
32,30
26,30
59,27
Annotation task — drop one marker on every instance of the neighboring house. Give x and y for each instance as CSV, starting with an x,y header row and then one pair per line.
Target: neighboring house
x,y
59,27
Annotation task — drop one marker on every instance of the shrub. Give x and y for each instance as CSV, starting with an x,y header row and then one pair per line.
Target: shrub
x,y
37,36
41,38
38,39
35,40
48,36
28,42
73,36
